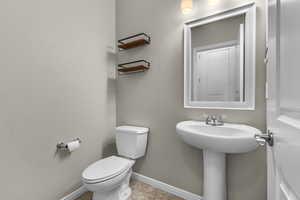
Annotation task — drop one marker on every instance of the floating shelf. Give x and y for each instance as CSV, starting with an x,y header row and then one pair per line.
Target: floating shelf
x,y
134,41
133,67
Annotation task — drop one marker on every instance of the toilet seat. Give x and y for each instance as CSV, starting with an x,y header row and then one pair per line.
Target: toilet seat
x,y
106,169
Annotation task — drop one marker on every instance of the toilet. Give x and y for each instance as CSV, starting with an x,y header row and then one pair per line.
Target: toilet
x,y
109,178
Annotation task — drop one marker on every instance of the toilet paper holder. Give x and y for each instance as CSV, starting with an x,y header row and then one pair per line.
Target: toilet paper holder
x,y
64,146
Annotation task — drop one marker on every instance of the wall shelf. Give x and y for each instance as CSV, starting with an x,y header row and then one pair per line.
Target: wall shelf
x,y
134,41
133,67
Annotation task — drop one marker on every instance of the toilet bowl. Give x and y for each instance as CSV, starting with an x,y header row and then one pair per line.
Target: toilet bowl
x,y
109,178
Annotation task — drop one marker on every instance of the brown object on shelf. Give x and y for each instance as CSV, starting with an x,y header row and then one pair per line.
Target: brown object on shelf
x,y
132,67
132,44
134,41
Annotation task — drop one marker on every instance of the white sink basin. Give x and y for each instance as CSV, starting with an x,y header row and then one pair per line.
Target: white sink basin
x,y
229,138
215,142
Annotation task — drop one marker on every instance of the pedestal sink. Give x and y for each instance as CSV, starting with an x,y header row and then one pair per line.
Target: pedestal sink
x,y
216,141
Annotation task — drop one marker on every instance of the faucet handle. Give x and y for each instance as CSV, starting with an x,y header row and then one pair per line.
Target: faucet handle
x,y
219,120
222,117
208,118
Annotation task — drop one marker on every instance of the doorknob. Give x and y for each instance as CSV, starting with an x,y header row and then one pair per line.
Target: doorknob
x,y
266,138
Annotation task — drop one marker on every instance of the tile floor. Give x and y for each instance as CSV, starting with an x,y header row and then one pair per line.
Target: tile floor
x,y
141,191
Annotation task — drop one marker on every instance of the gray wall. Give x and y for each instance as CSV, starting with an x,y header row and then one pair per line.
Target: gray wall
x,y
155,98
54,86
218,32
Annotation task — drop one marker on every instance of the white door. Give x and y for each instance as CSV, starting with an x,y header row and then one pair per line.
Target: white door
x,y
216,74
283,99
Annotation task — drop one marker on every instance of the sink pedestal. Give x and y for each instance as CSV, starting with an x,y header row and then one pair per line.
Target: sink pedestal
x,y
214,175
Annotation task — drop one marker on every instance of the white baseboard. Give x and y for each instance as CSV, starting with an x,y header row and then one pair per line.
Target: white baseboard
x,y
167,188
150,181
74,195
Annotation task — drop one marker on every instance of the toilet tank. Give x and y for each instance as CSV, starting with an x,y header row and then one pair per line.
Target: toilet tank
x,y
131,141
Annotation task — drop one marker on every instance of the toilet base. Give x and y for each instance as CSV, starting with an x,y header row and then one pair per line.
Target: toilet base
x,y
122,192
117,194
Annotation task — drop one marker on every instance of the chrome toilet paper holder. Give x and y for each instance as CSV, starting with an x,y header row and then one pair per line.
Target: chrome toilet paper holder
x,y
64,146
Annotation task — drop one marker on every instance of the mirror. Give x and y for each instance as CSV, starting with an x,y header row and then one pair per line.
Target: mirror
x,y
220,60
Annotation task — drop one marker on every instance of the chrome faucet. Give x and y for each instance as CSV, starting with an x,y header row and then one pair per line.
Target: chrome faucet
x,y
214,121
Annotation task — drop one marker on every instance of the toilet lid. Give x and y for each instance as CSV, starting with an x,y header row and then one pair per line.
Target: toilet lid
x,y
106,168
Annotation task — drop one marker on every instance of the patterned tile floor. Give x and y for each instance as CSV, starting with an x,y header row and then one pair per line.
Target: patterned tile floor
x,y
141,191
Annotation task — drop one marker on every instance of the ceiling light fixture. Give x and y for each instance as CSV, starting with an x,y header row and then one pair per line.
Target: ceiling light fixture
x,y
186,6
